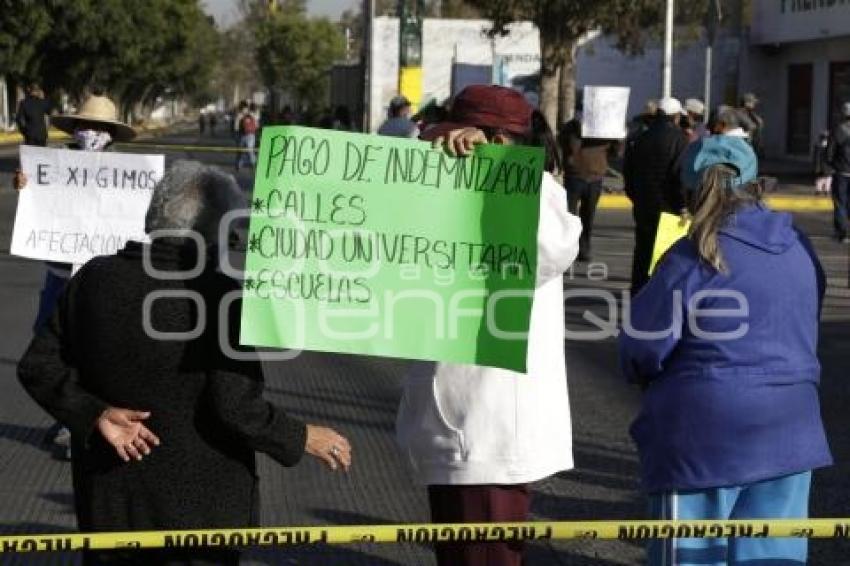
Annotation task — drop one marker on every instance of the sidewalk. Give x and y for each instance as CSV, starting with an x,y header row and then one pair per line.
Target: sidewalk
x,y
14,137
794,189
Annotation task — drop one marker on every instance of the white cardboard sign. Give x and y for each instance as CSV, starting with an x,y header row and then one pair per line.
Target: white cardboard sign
x,y
80,204
604,115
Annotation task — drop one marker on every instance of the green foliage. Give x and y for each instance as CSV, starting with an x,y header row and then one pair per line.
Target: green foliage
x,y
134,50
295,54
23,25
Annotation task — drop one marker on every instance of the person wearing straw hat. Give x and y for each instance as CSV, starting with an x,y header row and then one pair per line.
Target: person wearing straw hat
x,y
94,127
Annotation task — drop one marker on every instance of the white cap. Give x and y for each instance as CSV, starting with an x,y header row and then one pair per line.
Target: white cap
x,y
670,106
695,106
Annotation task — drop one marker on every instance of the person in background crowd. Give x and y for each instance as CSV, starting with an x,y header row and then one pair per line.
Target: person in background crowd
x,y
585,165
430,114
643,121
822,169
651,174
730,424
94,127
839,159
97,357
202,121
727,121
752,122
399,124
246,125
342,119
693,123
287,116
213,118
477,436
31,117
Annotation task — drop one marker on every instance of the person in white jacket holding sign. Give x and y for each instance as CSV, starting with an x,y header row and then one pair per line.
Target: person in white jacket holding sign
x,y
478,436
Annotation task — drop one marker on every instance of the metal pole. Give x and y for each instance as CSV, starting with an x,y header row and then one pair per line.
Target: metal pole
x,y
709,49
667,85
713,19
366,66
4,105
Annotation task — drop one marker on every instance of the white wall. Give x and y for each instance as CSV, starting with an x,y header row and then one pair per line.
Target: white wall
x,y
444,41
599,62
780,21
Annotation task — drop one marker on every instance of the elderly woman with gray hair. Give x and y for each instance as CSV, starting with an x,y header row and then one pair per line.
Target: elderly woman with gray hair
x,y
134,348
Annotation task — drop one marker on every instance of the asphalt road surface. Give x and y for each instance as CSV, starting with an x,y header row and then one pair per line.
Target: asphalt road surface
x,y
358,396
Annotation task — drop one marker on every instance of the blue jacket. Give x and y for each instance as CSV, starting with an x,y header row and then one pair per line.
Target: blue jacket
x,y
741,407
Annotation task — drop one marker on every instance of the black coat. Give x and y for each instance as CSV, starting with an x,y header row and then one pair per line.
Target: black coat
x,y
206,408
838,152
32,120
652,169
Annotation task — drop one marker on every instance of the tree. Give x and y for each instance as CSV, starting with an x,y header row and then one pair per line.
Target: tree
x,y
136,51
295,53
562,23
22,28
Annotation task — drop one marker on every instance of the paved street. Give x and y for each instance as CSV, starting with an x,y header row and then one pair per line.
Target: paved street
x,y
358,396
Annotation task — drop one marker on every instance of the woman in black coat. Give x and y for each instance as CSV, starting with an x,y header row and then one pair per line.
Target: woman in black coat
x,y
101,354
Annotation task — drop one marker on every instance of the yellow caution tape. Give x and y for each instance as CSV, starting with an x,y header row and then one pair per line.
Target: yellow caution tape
x,y
429,533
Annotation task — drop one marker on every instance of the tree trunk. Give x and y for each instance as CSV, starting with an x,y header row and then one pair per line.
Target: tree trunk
x,y
567,83
550,63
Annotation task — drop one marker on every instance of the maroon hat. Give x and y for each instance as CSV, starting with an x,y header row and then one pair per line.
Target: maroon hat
x,y
485,106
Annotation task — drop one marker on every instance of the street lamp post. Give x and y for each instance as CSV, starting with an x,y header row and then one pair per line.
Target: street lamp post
x,y
713,19
667,81
366,62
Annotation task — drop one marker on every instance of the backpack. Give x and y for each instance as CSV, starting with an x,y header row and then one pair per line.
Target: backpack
x,y
248,125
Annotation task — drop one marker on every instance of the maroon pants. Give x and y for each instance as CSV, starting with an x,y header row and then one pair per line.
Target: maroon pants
x,y
479,504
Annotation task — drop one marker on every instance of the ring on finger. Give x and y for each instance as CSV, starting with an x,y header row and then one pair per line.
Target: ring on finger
x,y
335,450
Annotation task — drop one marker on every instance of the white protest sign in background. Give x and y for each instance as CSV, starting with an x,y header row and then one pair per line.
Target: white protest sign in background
x,y
81,204
604,114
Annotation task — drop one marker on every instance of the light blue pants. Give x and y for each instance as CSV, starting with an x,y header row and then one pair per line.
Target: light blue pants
x,y
246,142
782,498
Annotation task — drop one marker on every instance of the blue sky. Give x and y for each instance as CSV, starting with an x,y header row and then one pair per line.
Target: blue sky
x,y
225,11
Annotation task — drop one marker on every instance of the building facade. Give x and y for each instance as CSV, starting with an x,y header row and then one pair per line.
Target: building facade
x,y
459,52
798,63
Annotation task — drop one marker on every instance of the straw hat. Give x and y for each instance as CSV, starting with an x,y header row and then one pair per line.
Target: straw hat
x,y
96,109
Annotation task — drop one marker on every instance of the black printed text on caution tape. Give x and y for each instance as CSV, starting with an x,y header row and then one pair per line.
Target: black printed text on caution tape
x,y
428,533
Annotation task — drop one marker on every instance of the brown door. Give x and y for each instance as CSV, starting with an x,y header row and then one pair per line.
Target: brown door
x,y
799,140
839,89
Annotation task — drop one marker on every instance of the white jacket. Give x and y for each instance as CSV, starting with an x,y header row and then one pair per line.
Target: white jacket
x,y
466,424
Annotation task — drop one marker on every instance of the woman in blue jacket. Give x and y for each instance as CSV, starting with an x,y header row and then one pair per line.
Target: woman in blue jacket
x,y
724,340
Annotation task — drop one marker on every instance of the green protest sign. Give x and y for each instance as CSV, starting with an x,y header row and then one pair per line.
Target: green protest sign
x,y
386,246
